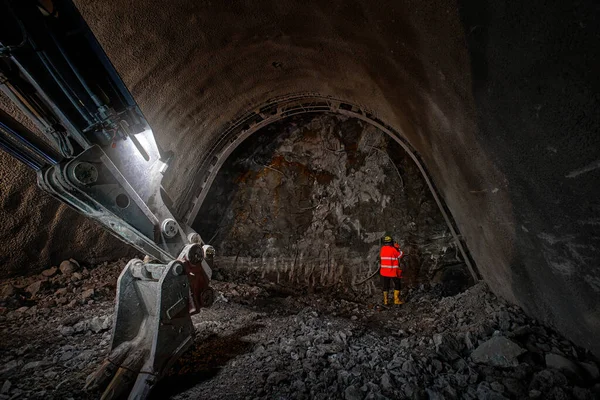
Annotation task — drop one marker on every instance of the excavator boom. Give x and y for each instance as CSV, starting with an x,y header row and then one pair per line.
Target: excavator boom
x,y
95,151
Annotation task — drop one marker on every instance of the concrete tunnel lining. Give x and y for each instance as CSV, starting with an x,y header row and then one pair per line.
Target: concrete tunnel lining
x,y
278,109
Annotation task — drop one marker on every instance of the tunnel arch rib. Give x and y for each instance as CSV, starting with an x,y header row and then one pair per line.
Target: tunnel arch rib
x,y
283,107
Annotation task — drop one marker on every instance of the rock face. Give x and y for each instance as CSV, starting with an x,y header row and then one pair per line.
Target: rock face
x,y
308,201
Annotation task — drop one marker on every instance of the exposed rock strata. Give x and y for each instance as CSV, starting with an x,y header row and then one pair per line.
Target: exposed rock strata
x,y
307,201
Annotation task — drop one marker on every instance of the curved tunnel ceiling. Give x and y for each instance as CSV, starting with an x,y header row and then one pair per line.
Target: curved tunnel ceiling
x,y
482,91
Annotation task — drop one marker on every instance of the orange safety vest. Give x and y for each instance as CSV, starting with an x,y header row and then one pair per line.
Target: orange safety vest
x,y
390,266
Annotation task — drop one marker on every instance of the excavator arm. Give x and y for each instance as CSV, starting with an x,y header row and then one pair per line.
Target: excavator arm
x,y
94,150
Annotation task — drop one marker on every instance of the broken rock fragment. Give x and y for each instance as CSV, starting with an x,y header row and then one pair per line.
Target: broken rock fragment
x,y
34,288
34,365
10,367
50,272
446,346
76,276
7,291
498,352
87,294
352,393
591,369
99,324
386,382
276,378
573,369
66,330
6,387
67,267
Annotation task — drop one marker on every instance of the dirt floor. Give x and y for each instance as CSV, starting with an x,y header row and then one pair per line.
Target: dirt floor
x,y
256,342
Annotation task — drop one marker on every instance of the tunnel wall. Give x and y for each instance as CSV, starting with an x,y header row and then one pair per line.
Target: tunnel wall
x,y
536,88
498,99
528,214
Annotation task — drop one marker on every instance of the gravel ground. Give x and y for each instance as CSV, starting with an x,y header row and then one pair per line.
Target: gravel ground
x,y
256,342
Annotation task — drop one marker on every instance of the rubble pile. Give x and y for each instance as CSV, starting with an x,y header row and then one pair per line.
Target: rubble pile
x,y
55,328
470,346
69,285
257,343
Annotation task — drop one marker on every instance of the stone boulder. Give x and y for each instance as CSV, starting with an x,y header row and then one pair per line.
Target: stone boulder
x,y
68,267
498,352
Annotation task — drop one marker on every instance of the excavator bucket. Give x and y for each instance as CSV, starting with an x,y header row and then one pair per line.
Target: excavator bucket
x,y
152,325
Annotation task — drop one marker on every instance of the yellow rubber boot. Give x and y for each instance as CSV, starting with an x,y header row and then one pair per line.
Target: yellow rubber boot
x,y
397,297
385,298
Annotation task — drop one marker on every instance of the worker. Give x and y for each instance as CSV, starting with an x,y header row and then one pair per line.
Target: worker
x,y
390,255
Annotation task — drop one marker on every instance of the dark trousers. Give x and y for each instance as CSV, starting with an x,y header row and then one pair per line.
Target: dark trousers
x,y
385,283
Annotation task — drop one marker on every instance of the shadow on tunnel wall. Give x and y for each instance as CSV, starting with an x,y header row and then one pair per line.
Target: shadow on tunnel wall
x,y
537,91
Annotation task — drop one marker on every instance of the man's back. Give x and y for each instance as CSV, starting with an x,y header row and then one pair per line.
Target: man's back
x,y
389,261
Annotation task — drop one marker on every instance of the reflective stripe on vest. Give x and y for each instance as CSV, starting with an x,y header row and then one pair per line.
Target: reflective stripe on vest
x,y
389,261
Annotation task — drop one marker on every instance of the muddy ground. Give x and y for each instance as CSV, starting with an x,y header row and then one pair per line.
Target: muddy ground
x,y
257,342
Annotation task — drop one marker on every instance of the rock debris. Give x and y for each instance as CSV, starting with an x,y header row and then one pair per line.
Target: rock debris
x,y
256,342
